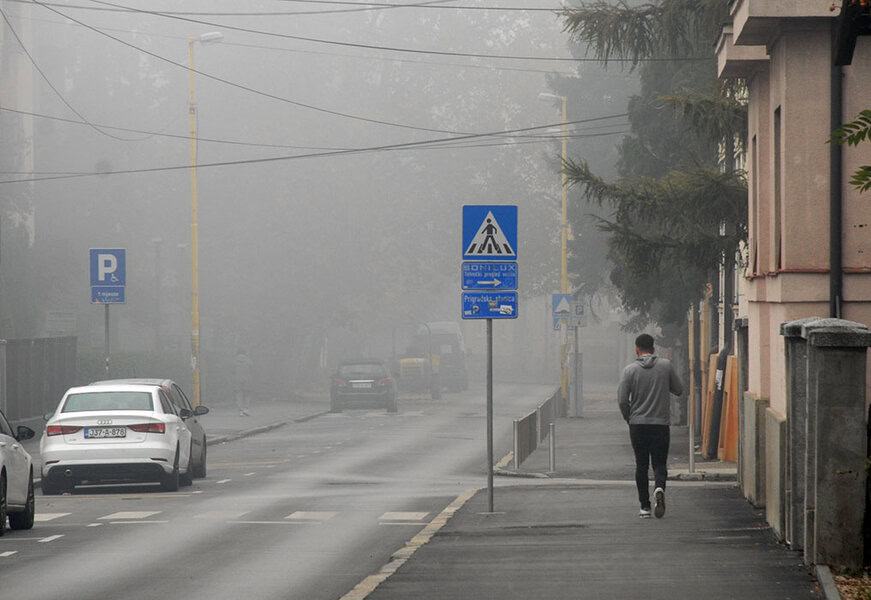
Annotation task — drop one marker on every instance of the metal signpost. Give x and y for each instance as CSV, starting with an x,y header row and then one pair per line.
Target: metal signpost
x,y
108,284
489,281
576,320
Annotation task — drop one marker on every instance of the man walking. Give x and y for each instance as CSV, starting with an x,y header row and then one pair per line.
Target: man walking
x,y
643,396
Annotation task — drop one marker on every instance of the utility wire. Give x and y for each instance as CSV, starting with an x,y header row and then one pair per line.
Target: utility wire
x,y
52,86
383,48
245,87
371,149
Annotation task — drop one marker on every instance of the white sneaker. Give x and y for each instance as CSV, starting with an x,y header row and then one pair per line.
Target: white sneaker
x,y
659,502
644,513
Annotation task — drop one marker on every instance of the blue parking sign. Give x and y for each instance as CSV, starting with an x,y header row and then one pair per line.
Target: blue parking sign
x,y
108,275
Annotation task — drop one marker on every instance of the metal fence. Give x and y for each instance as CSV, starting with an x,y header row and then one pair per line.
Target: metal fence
x,y
532,429
36,374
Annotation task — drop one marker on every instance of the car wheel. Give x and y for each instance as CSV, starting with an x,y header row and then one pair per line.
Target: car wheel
x,y
200,469
170,482
24,519
2,504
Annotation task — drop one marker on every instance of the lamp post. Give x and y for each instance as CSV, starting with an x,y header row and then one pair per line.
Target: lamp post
x,y
206,38
564,237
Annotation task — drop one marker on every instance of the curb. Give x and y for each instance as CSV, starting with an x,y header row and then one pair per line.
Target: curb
x,y
519,474
223,439
699,476
827,582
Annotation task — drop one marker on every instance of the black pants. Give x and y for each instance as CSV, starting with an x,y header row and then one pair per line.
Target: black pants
x,y
650,443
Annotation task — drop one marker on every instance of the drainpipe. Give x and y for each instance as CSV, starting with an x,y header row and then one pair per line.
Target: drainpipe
x,y
836,184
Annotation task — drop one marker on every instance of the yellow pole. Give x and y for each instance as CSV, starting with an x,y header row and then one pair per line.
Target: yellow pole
x,y
195,266
564,264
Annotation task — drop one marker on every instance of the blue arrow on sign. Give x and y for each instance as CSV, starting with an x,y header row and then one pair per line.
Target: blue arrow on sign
x,y
489,275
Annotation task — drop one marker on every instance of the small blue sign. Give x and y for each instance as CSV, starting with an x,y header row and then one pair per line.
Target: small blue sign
x,y
490,232
108,275
561,308
489,305
489,275
106,294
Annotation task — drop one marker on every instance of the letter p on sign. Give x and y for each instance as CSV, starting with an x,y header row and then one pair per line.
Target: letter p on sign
x,y
107,264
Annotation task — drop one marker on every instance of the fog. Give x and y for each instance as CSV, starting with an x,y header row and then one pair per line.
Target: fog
x,y
303,260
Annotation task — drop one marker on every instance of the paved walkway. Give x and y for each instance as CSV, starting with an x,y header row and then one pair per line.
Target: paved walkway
x,y
561,539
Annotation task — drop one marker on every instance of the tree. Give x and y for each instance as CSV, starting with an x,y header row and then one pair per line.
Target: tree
x,y
678,207
852,134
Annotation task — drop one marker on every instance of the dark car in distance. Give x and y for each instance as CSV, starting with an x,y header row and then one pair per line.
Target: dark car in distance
x,y
362,382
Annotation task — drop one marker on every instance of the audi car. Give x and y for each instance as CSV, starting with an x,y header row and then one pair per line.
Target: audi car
x,y
16,477
117,433
360,383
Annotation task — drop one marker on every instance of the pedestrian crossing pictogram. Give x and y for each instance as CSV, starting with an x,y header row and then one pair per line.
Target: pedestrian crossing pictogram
x,y
490,240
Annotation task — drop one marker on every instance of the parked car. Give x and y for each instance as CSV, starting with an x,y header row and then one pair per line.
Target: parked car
x,y
360,382
16,477
116,433
187,413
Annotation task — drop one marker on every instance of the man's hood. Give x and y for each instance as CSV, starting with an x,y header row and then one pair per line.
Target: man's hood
x,y
647,361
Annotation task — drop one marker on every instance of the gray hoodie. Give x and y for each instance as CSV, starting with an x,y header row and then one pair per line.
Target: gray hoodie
x,y
643,394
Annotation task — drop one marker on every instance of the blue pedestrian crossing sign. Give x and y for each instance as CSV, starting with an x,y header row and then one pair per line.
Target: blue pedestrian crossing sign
x,y
561,309
108,275
489,232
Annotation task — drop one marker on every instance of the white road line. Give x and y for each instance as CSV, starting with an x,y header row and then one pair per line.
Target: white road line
x,y
222,514
8,553
303,515
223,481
403,516
249,474
50,538
134,522
126,515
197,492
43,517
94,524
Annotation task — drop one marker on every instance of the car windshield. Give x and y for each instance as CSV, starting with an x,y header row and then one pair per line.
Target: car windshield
x,y
94,401
363,370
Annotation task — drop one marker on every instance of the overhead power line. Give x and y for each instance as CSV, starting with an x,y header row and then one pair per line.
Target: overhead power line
x,y
380,47
51,85
245,87
370,149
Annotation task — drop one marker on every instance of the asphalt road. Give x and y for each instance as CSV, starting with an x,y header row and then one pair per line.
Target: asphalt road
x,y
305,511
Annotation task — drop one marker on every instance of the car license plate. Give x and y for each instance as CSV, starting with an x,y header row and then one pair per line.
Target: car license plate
x,y
361,386
105,432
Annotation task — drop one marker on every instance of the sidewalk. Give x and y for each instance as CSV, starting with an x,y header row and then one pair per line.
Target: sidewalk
x,y
223,422
564,539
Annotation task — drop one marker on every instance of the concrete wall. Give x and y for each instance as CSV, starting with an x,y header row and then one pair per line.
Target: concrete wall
x,y
775,461
753,449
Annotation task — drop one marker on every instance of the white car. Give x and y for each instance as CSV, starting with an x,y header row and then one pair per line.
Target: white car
x,y
16,477
115,433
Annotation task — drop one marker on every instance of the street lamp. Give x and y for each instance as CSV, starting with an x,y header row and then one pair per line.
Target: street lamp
x,y
206,38
564,233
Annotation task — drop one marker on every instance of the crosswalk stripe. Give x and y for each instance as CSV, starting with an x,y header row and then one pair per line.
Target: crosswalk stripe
x,y
50,538
303,515
8,553
224,481
127,515
43,517
403,516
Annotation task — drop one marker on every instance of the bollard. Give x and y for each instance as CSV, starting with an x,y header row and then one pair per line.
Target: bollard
x,y
552,433
516,445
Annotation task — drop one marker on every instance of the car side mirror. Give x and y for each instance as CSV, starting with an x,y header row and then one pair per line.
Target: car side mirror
x,y
184,413
24,433
201,410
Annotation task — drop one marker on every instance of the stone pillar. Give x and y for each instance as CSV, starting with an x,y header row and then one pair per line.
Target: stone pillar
x,y
796,424
837,435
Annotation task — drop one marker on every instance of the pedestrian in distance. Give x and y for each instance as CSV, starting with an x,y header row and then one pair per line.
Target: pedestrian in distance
x,y
643,397
242,382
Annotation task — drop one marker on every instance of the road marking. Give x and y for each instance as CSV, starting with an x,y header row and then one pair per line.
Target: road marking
x,y
43,517
94,524
275,522
302,515
50,538
222,514
403,516
8,553
223,481
134,522
506,460
126,515
248,474
197,492
400,557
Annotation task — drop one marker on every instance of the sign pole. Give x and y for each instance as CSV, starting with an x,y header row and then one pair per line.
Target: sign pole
x,y
490,415
106,327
